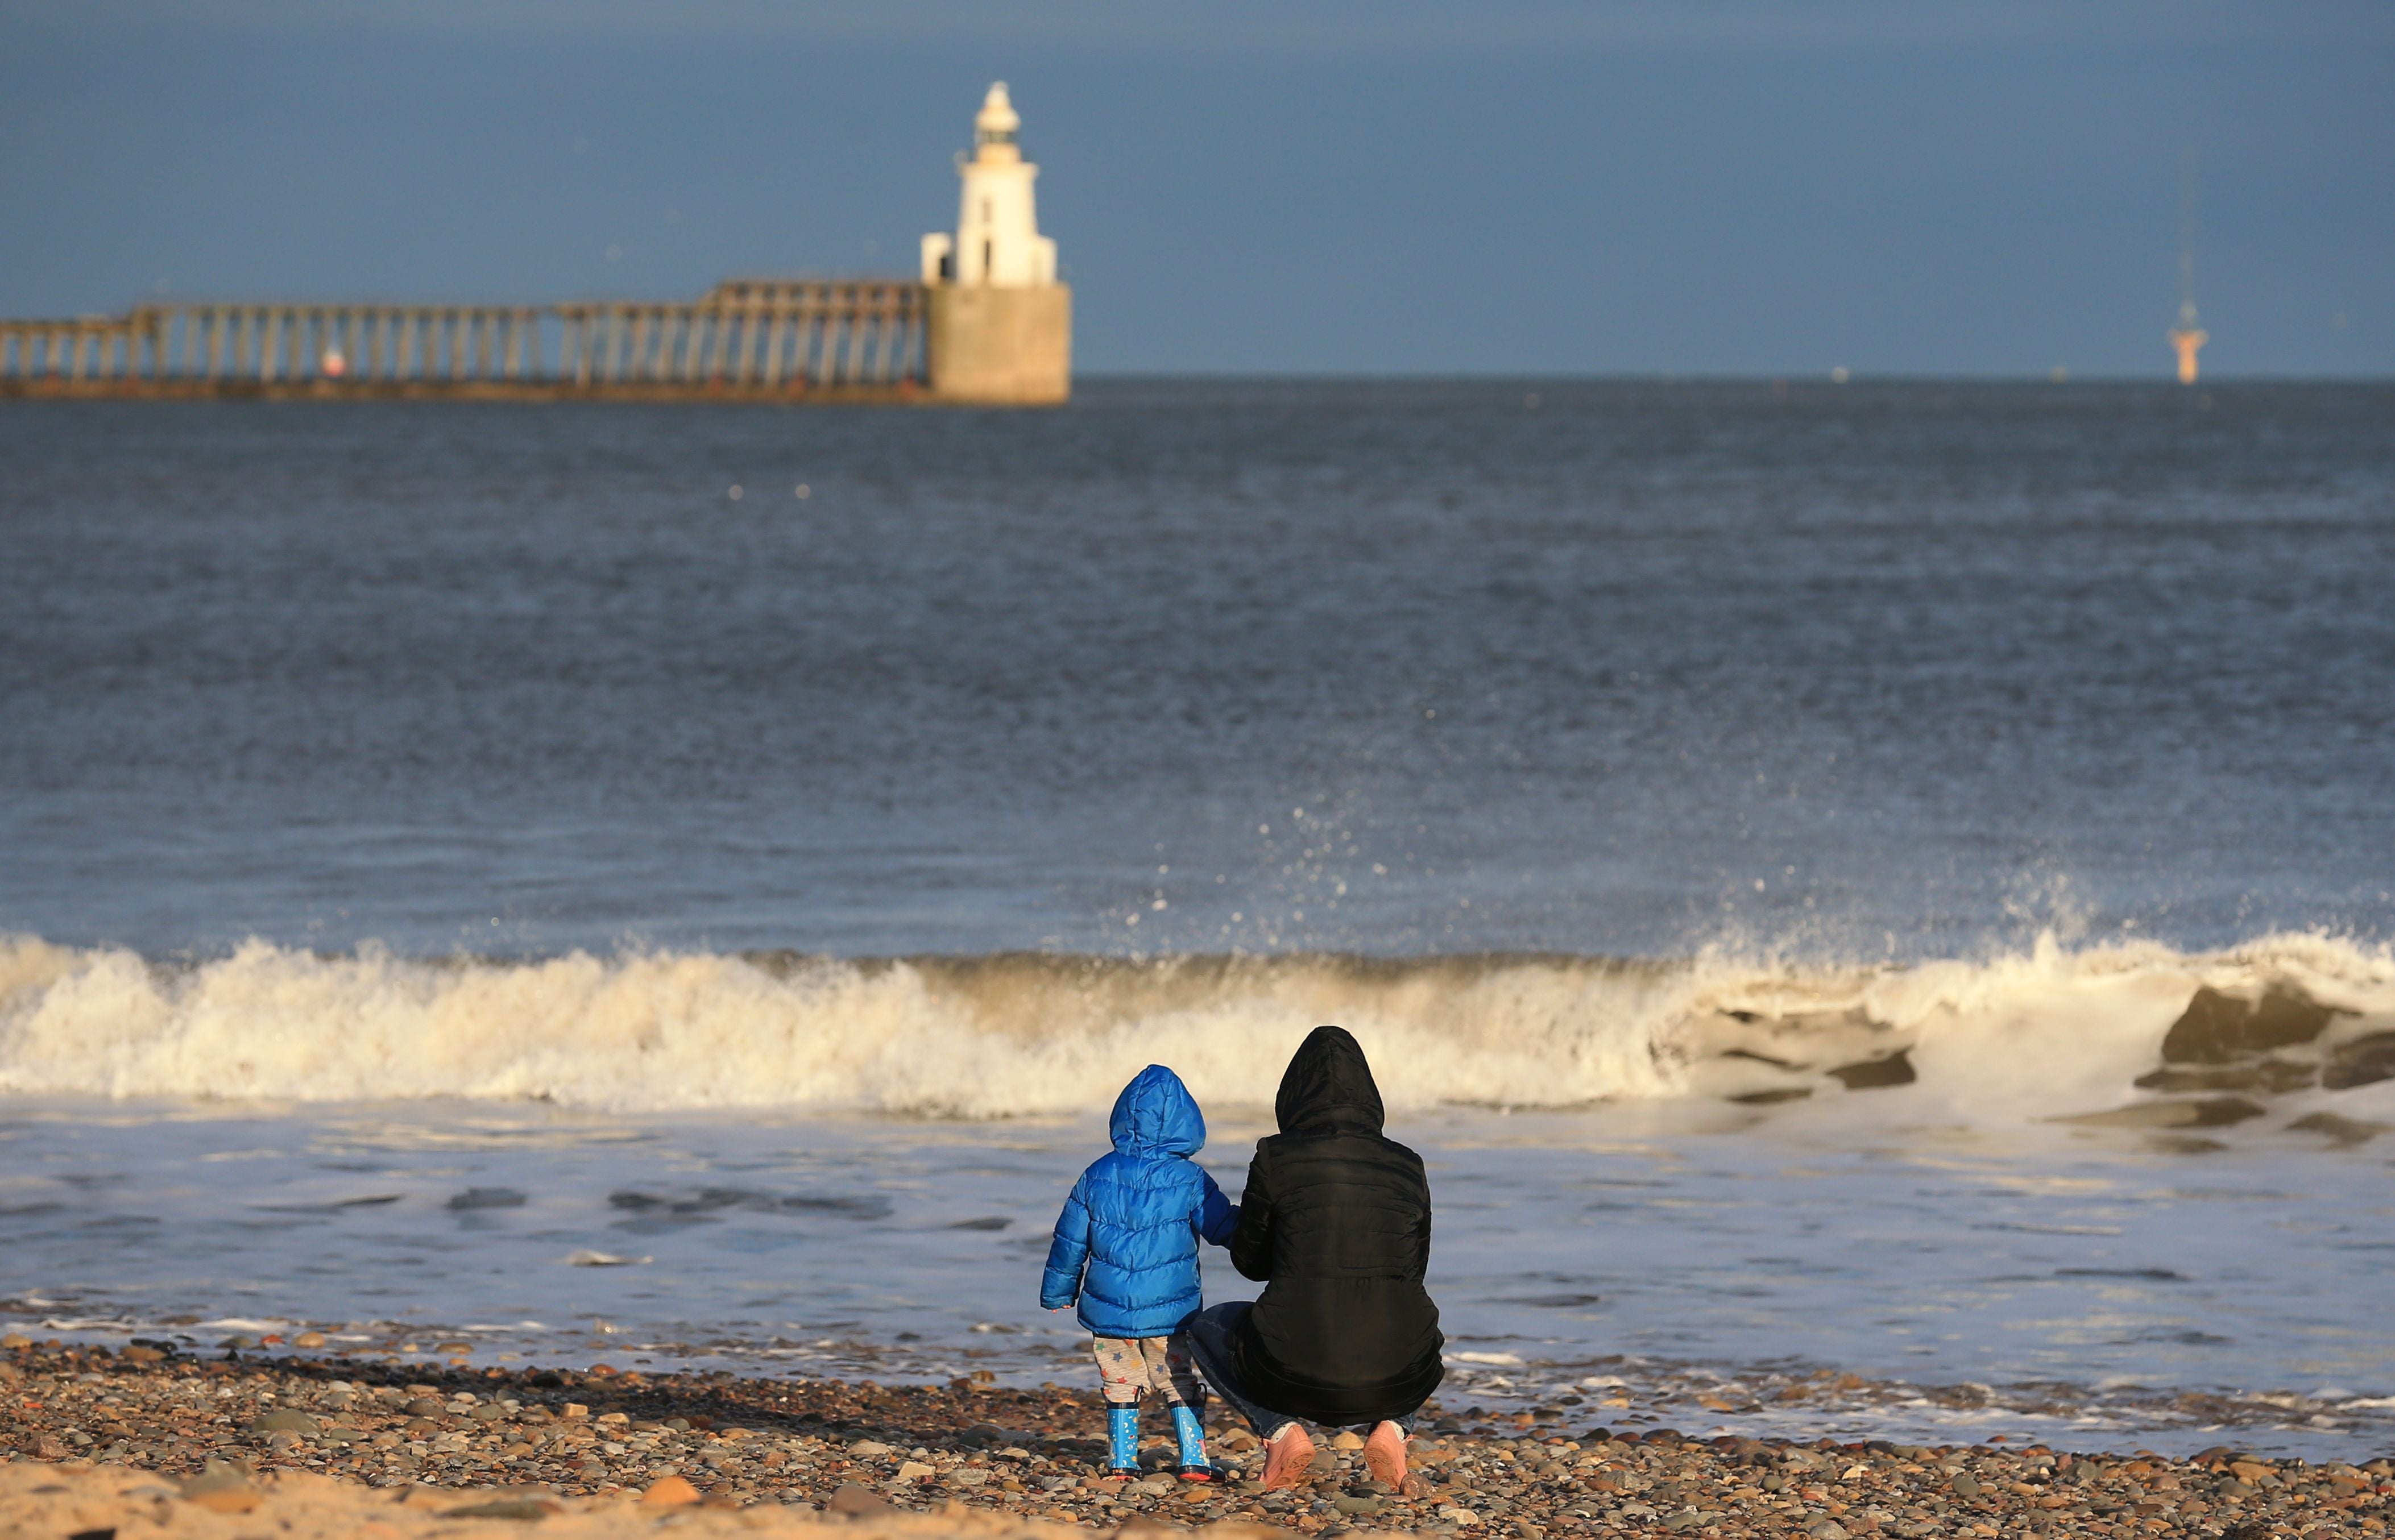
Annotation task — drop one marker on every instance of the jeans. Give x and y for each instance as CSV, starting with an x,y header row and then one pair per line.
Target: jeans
x,y
1209,1336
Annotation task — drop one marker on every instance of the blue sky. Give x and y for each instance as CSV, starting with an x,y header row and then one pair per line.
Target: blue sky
x,y
1699,187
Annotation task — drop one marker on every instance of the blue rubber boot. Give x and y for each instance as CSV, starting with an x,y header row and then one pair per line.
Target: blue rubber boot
x,y
1192,1433
1122,1439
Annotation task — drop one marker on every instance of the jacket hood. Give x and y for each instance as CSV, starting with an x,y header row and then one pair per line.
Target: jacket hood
x,y
1156,1115
1328,1084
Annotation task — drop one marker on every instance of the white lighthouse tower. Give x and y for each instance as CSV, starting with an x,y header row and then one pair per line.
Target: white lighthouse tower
x,y
1001,325
998,240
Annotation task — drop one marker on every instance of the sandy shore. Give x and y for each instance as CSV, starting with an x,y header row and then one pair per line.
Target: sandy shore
x,y
136,1440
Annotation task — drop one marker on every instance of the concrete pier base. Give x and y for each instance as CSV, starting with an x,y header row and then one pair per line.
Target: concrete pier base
x,y
1000,347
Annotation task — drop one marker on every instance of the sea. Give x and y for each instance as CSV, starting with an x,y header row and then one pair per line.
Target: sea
x,y
1871,899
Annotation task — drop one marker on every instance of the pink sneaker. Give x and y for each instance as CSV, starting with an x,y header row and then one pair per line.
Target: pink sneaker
x,y
1288,1459
1384,1455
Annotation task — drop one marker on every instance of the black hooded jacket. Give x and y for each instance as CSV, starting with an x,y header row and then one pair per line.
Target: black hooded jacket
x,y
1335,1221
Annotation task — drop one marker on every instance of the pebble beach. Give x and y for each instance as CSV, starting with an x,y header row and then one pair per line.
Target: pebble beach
x,y
156,1432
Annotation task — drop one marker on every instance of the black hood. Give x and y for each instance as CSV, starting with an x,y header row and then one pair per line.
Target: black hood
x,y
1329,1086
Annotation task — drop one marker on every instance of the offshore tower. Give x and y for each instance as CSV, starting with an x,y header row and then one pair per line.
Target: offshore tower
x,y
2188,335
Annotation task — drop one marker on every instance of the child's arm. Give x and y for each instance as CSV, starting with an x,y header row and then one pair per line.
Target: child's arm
x,y
1217,1216
1061,1284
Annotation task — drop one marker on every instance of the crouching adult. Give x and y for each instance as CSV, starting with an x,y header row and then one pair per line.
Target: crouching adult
x,y
1335,1223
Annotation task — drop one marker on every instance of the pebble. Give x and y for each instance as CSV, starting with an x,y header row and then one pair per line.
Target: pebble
x,y
669,1491
864,1449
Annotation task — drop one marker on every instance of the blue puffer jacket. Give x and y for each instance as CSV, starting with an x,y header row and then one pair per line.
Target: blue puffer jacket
x,y
1126,1245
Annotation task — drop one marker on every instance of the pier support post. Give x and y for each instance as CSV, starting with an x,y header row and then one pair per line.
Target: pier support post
x,y
885,323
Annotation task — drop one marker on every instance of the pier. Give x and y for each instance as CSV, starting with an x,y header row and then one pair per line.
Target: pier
x,y
767,340
988,324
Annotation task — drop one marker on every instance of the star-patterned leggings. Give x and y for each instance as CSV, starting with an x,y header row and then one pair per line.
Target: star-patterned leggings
x,y
1128,1364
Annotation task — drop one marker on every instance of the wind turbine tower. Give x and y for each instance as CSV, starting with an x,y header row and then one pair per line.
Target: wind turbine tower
x,y
2188,335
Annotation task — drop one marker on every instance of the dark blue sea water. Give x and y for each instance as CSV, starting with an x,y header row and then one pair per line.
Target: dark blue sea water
x,y
1595,668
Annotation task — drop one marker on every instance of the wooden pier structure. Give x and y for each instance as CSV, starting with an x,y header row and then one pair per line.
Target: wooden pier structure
x,y
752,340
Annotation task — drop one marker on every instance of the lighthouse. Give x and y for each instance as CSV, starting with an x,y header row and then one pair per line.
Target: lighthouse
x,y
1001,325
998,241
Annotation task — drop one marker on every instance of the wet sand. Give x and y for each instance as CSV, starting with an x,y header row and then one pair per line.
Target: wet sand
x,y
137,1438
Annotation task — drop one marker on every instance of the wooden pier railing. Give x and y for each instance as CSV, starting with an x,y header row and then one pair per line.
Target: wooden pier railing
x,y
762,340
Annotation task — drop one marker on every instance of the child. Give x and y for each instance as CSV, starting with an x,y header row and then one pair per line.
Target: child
x,y
1126,1248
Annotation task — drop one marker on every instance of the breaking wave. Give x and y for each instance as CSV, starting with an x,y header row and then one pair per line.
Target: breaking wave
x,y
2136,1033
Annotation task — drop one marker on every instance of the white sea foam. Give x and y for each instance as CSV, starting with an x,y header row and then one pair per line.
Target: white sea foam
x,y
2048,1031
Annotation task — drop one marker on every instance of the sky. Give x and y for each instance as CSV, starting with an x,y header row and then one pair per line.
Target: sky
x,y
1511,187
